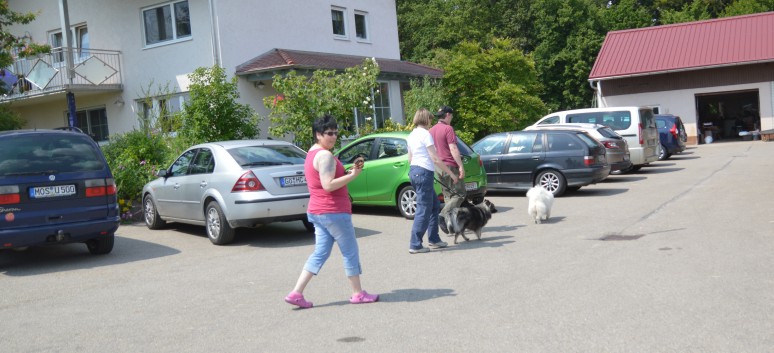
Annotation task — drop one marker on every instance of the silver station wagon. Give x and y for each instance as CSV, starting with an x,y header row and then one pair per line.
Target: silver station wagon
x,y
230,184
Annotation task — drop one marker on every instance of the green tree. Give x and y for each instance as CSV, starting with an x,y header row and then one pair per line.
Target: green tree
x,y
746,7
212,113
300,99
9,119
11,44
492,88
424,93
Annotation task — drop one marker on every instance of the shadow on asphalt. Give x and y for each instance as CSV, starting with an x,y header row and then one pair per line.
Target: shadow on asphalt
x,y
400,296
593,192
68,257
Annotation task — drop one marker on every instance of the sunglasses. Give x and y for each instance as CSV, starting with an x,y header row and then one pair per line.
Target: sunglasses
x,y
330,133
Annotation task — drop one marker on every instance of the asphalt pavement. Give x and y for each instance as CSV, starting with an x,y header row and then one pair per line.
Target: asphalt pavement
x,y
675,258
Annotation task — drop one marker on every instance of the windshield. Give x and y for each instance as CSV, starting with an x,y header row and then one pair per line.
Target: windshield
x,y
48,154
248,156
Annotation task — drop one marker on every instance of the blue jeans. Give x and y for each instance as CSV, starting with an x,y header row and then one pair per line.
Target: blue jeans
x,y
428,206
330,228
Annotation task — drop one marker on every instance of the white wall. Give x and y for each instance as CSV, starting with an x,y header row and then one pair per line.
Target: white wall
x,y
683,102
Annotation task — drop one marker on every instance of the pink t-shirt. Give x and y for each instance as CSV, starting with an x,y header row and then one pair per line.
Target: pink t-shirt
x,y
321,201
444,135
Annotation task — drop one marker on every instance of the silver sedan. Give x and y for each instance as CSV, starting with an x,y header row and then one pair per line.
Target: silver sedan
x,y
230,184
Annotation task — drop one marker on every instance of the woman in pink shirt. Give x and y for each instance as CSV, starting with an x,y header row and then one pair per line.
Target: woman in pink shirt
x,y
330,210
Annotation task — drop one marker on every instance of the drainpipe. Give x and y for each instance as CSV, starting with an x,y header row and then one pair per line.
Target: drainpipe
x,y
597,92
68,54
215,34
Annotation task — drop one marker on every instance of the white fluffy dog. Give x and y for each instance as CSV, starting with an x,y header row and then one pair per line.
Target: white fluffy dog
x,y
540,201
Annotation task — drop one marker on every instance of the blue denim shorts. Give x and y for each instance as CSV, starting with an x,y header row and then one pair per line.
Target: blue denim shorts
x,y
330,228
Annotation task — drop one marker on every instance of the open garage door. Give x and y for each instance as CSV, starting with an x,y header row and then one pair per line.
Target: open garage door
x,y
722,116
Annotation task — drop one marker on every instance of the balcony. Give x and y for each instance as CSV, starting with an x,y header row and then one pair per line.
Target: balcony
x,y
44,78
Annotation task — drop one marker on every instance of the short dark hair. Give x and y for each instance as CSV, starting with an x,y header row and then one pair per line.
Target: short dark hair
x,y
325,122
443,110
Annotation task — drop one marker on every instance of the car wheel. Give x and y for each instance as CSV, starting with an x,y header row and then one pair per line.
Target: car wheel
x,y
308,225
102,245
218,230
151,215
407,202
552,181
663,154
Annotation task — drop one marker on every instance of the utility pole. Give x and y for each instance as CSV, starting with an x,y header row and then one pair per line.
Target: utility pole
x,y
68,54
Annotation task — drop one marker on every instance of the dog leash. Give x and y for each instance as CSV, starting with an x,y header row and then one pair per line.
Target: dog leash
x,y
448,188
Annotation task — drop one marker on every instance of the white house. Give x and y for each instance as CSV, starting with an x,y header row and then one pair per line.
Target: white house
x,y
717,75
124,51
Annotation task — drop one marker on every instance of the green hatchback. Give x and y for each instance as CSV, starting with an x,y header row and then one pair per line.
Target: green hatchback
x,y
384,180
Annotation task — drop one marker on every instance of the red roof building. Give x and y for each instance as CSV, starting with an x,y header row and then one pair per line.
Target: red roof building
x,y
718,75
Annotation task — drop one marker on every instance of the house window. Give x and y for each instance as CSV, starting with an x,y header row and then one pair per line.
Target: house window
x,y
339,21
82,41
161,110
382,104
361,25
80,35
166,23
93,122
381,107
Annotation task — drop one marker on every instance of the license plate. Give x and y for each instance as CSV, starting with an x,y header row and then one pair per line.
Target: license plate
x,y
471,186
52,191
292,181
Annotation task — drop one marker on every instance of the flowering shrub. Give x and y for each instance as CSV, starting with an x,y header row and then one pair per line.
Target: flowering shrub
x,y
134,159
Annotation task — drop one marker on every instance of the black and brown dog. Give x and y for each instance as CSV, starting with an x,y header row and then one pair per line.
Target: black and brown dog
x,y
467,217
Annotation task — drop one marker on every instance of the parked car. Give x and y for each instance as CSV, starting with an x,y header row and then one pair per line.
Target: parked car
x,y
617,149
384,180
557,160
230,184
671,133
55,188
635,124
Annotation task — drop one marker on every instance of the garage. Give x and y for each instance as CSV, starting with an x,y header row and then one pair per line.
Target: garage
x,y
723,116
712,74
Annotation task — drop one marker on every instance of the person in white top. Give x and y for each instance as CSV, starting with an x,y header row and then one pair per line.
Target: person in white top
x,y
423,160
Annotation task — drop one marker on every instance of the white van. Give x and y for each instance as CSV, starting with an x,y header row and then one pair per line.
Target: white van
x,y
636,124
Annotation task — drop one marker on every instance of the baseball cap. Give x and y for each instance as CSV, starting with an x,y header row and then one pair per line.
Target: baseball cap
x,y
443,110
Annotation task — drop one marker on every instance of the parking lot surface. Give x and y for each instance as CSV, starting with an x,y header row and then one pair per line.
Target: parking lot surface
x,y
675,258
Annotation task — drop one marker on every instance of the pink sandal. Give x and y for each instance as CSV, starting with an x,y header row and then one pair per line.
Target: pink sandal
x,y
364,298
296,298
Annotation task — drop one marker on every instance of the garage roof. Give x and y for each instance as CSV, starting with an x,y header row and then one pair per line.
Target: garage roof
x,y
726,41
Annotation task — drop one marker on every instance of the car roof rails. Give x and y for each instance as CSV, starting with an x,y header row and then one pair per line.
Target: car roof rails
x,y
69,128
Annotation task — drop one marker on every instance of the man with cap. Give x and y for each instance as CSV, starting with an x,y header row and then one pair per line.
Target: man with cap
x,y
446,145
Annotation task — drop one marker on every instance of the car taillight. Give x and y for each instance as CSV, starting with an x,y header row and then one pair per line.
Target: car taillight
x,y
589,160
673,130
9,195
610,144
248,182
100,187
480,162
640,134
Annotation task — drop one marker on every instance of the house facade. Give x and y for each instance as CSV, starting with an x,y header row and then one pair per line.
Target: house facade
x,y
126,51
717,75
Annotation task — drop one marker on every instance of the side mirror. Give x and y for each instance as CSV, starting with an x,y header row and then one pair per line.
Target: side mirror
x,y
162,173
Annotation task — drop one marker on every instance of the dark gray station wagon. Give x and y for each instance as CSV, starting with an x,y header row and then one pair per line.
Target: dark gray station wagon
x,y
557,160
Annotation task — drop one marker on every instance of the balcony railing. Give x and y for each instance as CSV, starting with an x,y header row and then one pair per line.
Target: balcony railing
x,y
93,70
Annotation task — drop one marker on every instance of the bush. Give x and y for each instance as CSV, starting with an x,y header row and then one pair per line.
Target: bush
x,y
134,158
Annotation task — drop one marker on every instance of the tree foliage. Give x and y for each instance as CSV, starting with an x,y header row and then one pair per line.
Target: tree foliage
x,y
492,89
212,113
9,119
300,99
424,93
